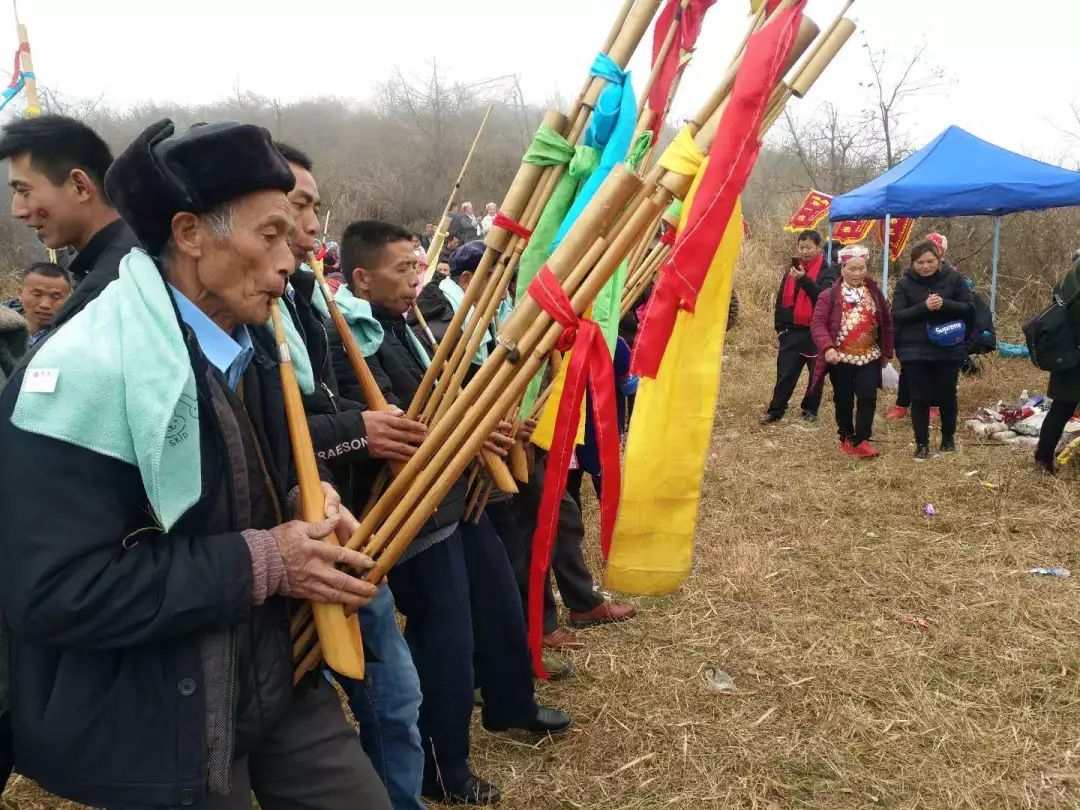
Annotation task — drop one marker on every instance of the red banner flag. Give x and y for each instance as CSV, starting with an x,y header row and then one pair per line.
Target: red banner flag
x,y
900,229
688,22
851,231
734,152
814,208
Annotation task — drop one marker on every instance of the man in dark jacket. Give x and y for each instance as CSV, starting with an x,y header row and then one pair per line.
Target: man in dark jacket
x,y
345,435
458,595
799,289
151,657
57,173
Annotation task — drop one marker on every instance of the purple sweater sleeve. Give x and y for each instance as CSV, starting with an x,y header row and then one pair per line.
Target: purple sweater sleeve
x,y
268,577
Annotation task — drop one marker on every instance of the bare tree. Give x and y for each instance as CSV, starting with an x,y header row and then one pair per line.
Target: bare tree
x,y
893,82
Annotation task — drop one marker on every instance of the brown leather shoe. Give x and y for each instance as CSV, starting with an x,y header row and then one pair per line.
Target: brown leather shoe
x,y
604,613
561,638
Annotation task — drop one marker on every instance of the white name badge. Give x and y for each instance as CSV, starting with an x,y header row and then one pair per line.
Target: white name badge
x,y
40,380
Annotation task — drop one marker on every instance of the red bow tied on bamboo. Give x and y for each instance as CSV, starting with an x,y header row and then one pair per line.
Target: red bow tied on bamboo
x,y
589,365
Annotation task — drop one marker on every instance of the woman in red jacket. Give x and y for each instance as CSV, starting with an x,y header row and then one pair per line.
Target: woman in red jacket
x,y
853,330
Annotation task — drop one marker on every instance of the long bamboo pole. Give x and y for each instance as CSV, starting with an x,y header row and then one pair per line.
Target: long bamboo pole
x,y
339,635
444,222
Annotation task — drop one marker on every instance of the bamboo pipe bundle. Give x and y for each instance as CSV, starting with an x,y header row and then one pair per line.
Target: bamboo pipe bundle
x,y
524,343
622,47
338,634
496,384
658,64
806,31
26,64
435,248
447,436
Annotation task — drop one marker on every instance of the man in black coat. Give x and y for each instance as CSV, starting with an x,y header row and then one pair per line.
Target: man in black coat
x,y
151,655
809,274
57,172
454,583
352,441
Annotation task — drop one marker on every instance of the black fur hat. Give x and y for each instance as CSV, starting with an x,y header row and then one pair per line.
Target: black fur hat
x,y
161,174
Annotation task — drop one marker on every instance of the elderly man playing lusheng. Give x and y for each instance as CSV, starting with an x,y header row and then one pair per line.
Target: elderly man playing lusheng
x,y
149,608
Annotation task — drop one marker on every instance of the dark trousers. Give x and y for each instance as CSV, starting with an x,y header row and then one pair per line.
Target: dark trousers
x,y
932,383
7,753
516,524
1052,427
855,398
312,758
575,478
797,351
452,593
903,391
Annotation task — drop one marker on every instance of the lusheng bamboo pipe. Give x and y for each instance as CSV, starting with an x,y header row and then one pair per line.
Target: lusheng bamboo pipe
x,y
517,198
339,635
435,248
611,197
815,66
623,40
621,50
658,64
586,281
525,340
369,387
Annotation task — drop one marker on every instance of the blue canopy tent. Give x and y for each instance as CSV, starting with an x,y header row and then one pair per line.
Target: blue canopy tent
x,y
958,175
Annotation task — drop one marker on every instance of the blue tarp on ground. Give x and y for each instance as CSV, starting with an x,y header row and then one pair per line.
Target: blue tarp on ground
x,y
958,175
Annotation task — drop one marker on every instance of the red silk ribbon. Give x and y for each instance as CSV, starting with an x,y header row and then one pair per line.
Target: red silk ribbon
x,y
733,154
589,364
503,221
668,236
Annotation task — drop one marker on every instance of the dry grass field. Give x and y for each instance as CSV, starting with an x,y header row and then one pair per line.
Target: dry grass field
x,y
809,569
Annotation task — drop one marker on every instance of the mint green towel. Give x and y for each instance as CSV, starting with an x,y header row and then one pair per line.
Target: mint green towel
x,y
298,354
366,329
117,380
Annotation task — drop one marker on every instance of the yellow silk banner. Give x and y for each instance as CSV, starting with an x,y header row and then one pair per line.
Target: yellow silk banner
x,y
669,436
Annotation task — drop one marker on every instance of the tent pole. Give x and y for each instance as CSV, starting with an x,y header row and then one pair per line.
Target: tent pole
x,y
828,245
885,258
994,272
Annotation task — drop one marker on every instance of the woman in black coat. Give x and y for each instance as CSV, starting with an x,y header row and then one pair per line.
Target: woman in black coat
x,y
932,312
1064,388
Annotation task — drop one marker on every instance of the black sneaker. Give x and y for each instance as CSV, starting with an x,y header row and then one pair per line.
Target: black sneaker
x,y
922,452
948,444
809,417
768,418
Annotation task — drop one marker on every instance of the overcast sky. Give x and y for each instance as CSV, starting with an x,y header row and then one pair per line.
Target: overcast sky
x,y
1012,67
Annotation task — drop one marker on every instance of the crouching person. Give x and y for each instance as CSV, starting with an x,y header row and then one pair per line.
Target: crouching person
x,y
149,612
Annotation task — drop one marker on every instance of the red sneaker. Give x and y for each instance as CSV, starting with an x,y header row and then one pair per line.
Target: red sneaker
x,y
896,412
847,448
866,450
935,413
604,613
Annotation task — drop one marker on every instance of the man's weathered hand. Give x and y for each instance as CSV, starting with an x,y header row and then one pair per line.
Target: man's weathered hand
x,y
310,565
391,436
797,272
526,430
500,442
